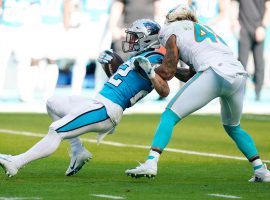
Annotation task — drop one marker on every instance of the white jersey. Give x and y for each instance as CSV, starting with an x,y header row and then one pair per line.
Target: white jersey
x,y
200,48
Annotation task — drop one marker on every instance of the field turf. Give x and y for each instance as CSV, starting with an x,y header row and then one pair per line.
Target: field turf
x,y
180,176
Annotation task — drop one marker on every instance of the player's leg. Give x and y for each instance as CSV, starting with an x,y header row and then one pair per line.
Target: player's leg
x,y
45,147
245,43
259,64
60,106
204,85
90,118
231,110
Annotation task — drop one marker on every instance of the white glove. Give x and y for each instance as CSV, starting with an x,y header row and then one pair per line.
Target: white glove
x,y
145,64
104,56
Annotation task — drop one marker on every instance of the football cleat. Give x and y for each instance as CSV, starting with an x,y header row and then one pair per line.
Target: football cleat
x,y
8,165
147,169
77,162
261,175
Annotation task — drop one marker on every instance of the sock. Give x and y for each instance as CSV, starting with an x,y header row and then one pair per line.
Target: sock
x,y
165,128
153,156
43,148
243,141
257,164
76,145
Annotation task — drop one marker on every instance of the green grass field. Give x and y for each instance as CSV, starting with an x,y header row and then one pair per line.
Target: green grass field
x,y
180,176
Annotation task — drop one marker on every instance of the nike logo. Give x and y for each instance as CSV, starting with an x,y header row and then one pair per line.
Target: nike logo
x,y
72,167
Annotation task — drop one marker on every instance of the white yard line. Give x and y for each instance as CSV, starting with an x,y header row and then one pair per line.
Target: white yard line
x,y
225,196
107,196
117,144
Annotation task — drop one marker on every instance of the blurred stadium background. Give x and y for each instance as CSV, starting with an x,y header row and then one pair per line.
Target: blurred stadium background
x,y
50,47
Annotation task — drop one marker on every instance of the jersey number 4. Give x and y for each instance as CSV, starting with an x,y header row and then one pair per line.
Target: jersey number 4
x,y
203,32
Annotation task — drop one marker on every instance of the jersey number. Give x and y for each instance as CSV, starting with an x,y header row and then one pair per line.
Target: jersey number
x,y
204,32
121,72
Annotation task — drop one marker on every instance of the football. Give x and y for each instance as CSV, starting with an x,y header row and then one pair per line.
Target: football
x,y
111,67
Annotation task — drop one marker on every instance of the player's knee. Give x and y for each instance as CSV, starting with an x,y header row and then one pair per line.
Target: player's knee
x,y
170,117
232,130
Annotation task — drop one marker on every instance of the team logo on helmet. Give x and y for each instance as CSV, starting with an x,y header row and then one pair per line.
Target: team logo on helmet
x,y
141,35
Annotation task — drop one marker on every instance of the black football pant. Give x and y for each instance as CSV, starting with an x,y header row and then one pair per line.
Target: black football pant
x,y
247,42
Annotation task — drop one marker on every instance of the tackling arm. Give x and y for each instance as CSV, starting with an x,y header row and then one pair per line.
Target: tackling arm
x,y
184,74
168,67
160,85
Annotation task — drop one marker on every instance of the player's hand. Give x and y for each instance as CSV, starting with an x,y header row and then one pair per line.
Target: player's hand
x,y
104,56
260,34
145,64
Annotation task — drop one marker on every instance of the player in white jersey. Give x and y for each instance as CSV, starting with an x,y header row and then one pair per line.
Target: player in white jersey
x,y
76,115
218,74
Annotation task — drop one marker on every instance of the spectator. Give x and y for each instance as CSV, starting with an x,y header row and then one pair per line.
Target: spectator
x,y
87,35
43,70
254,16
13,38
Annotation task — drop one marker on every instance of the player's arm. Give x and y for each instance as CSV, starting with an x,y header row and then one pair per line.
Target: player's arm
x,y
184,74
160,85
168,67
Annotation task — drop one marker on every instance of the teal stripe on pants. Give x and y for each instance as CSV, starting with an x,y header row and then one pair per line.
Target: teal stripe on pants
x,y
85,119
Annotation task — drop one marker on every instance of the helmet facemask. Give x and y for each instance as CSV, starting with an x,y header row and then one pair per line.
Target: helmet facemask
x,y
132,42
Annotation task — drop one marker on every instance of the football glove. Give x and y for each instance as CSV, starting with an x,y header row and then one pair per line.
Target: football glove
x,y
145,64
104,56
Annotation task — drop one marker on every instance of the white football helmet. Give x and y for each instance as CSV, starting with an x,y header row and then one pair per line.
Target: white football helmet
x,y
181,12
141,35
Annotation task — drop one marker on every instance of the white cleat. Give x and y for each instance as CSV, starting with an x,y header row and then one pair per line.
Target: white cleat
x,y
261,175
147,169
77,162
8,165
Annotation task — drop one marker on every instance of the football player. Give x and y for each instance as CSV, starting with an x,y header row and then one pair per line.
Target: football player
x,y
218,74
75,115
